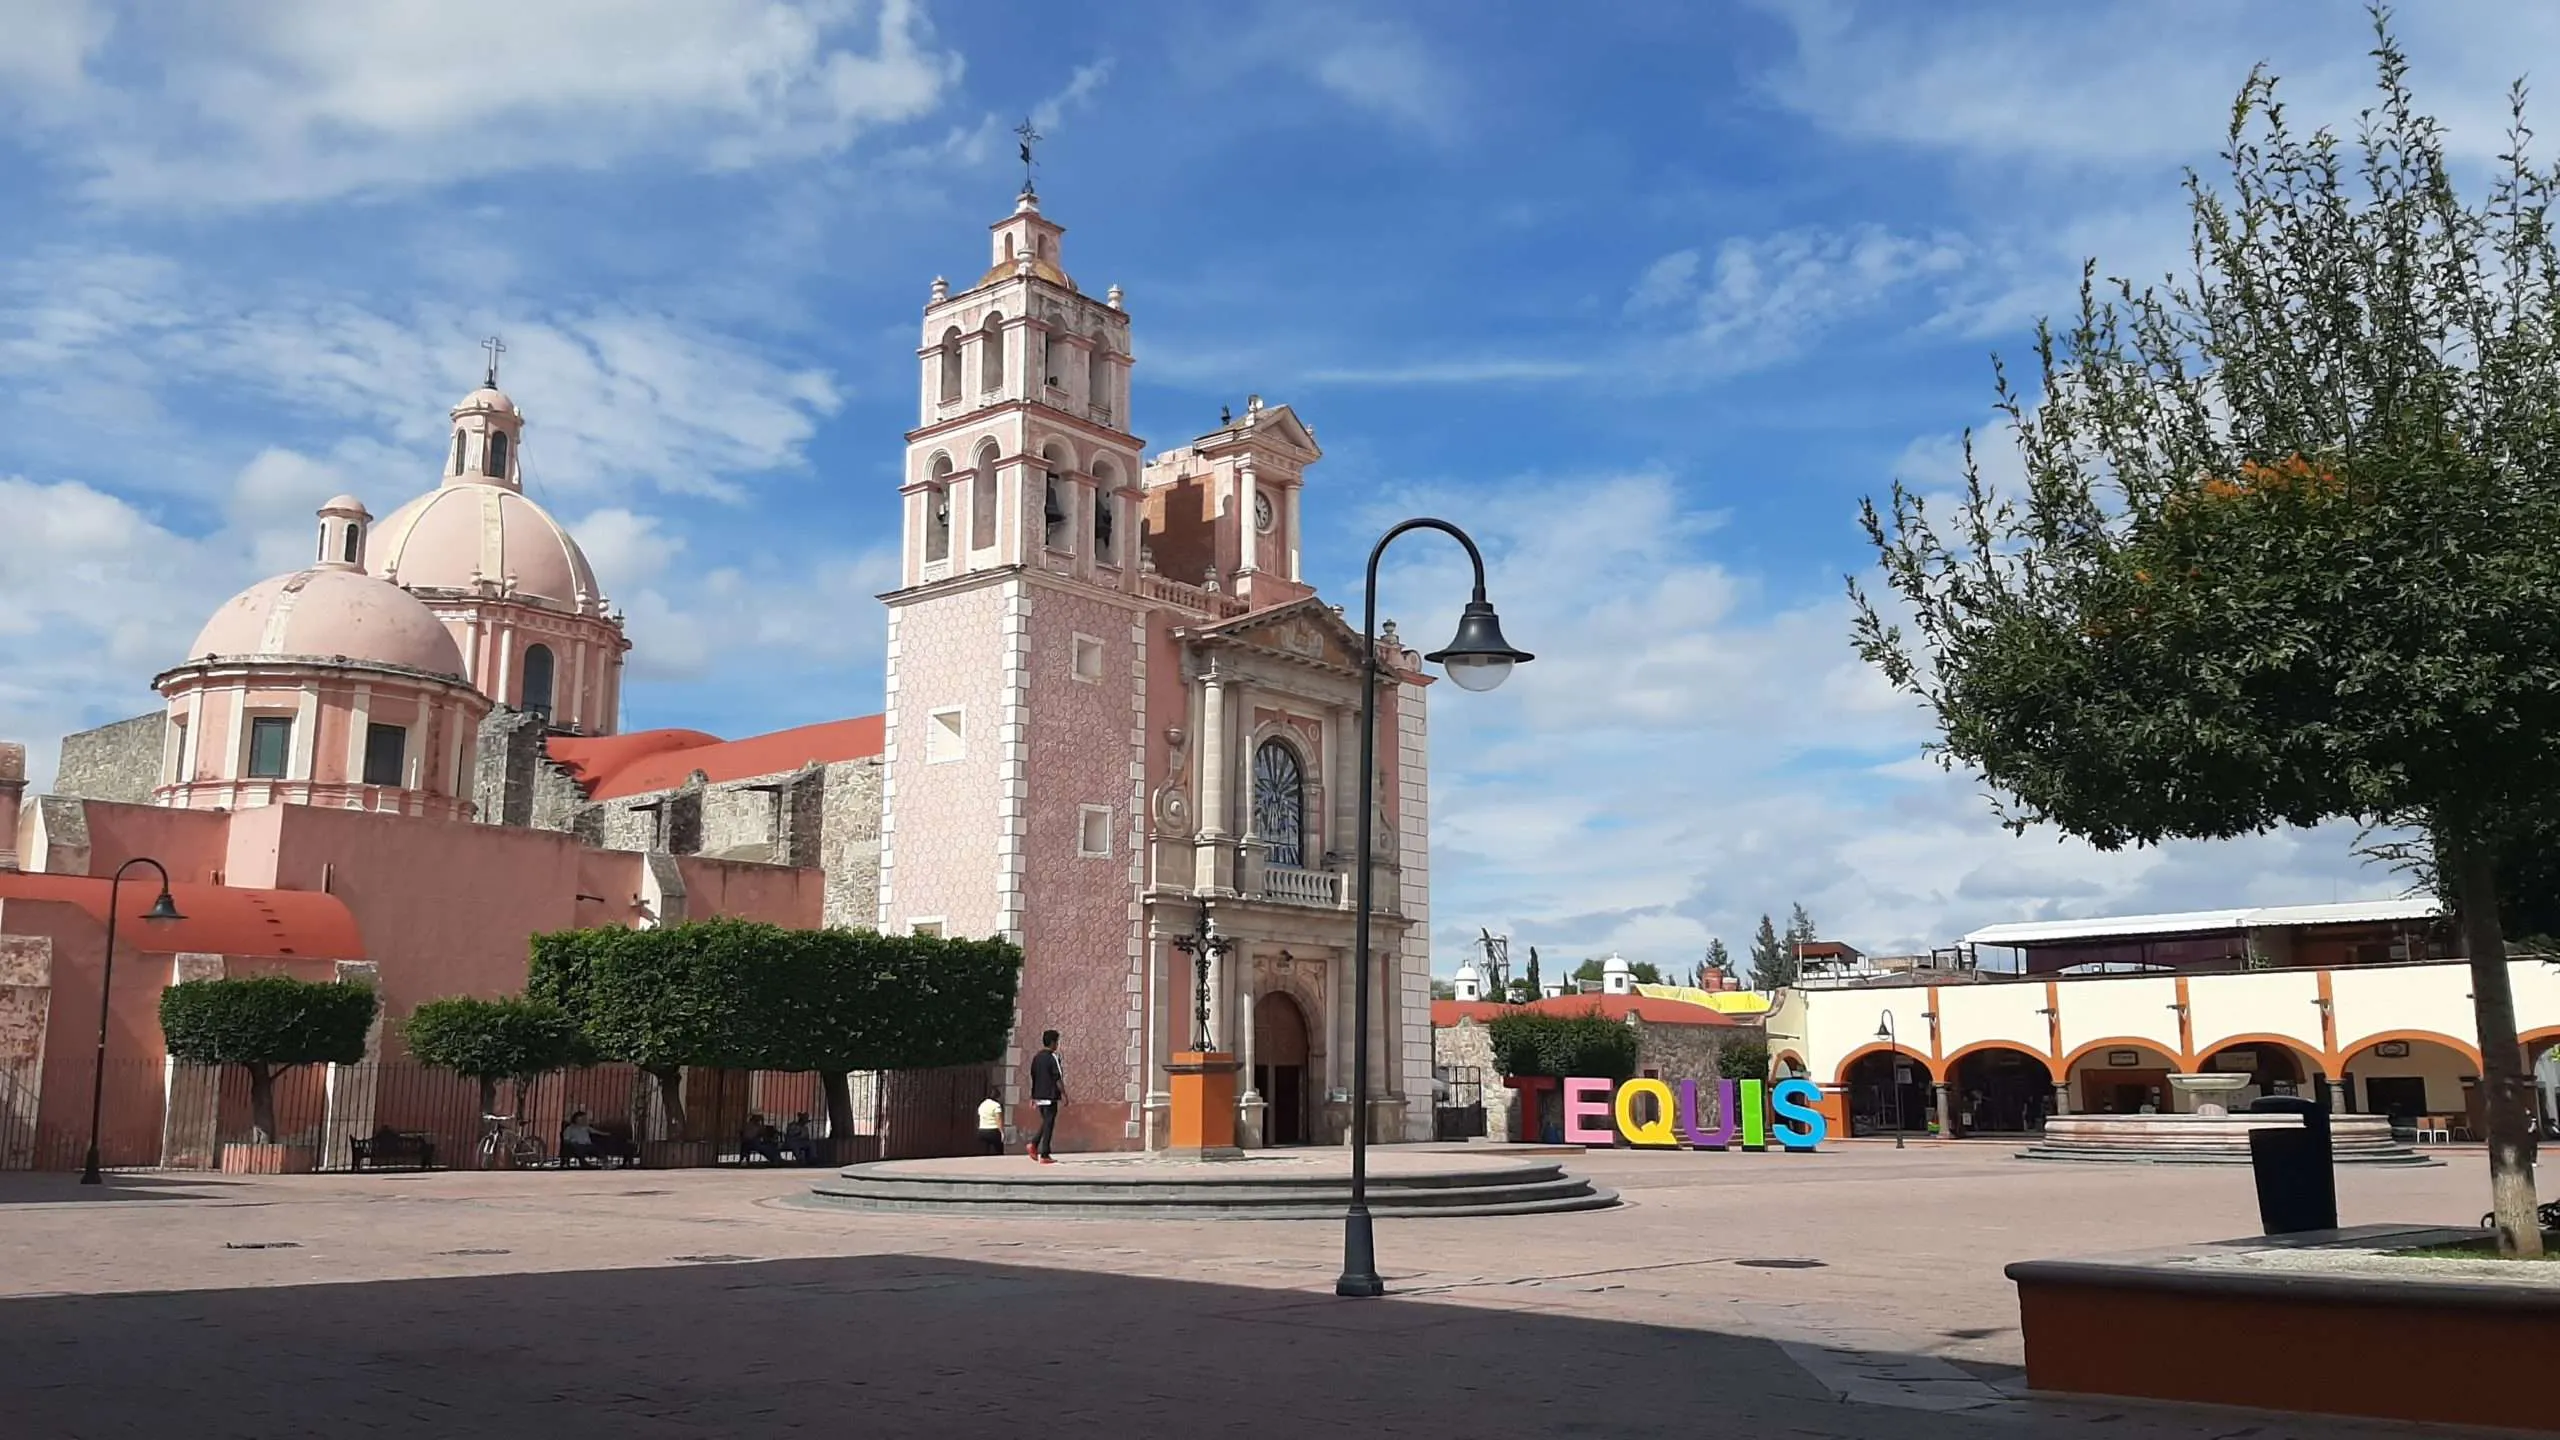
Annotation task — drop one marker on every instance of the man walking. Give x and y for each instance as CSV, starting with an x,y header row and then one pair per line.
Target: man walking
x,y
1048,1088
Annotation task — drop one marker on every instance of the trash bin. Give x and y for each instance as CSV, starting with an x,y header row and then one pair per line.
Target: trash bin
x,y
2295,1169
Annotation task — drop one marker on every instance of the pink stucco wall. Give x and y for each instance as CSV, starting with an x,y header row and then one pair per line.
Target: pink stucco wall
x,y
943,816
1077,929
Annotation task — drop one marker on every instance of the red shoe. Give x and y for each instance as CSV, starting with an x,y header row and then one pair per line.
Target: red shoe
x,y
1032,1149
1048,1160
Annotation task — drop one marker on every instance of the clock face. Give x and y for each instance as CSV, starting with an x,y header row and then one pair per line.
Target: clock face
x,y
1262,511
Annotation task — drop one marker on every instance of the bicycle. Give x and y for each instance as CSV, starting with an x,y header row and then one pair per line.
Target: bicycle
x,y
2548,1216
506,1135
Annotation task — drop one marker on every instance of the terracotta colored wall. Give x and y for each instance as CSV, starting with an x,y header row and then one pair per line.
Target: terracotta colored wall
x,y
1078,937
194,844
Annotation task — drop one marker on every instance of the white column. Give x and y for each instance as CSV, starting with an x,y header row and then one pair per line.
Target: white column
x,y
1213,757
358,722
1292,522
1240,704
577,712
1241,1042
1159,1102
1247,487
306,735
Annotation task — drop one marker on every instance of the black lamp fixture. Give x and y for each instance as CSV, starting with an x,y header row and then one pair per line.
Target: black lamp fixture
x,y
162,911
1477,658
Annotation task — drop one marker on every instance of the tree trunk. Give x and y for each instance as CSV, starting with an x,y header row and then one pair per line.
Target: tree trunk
x,y
2506,1083
488,1097
262,1104
839,1106
671,1099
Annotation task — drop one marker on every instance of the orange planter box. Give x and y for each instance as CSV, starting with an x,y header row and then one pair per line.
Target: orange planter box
x,y
1204,1102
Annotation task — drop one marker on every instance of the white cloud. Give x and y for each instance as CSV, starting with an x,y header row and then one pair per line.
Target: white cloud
x,y
613,396
1375,65
1761,299
288,100
48,48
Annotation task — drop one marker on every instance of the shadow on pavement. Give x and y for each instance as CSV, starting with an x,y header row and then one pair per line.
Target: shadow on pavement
x,y
45,1187
905,1346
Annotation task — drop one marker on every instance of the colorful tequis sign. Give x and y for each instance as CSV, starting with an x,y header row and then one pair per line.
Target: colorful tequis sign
x,y
1593,1115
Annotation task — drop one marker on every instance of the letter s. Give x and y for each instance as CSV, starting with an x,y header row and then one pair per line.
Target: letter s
x,y
1795,1101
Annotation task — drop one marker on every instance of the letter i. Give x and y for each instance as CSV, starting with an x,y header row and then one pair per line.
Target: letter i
x,y
1755,1119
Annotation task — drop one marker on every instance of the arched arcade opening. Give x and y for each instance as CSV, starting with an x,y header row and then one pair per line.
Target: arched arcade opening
x,y
2000,1090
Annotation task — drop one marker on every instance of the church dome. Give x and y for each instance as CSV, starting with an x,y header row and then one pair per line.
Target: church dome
x,y
329,612
471,530
487,398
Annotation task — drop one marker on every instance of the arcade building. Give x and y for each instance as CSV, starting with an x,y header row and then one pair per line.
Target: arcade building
x,y
1115,713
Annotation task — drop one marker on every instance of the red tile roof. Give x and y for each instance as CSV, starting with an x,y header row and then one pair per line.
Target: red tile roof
x,y
220,919
609,767
1445,1013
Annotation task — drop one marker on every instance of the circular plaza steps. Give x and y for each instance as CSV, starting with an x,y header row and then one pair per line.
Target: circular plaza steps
x,y
1263,1185
2205,1139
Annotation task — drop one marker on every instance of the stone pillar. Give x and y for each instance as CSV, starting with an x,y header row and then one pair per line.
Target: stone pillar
x,y
13,789
1337,1044
1249,1101
1341,835
1160,993
1248,559
26,1012
1291,520
1948,1128
191,1108
1209,870
1251,854
353,1089
2062,1099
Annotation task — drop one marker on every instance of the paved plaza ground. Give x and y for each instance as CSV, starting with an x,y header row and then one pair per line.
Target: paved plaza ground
x,y
706,1303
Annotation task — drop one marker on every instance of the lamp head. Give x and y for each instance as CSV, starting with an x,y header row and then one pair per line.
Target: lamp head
x,y
1478,658
163,910
1884,1027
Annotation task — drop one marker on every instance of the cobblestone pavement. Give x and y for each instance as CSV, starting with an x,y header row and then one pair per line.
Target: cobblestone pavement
x,y
694,1303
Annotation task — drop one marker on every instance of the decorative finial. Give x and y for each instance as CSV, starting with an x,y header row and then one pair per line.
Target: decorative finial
x,y
1029,138
1253,404
496,347
1387,635
1112,297
1226,417
941,290
1209,578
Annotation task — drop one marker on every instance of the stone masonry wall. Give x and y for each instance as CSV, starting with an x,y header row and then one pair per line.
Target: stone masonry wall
x,y
827,816
114,762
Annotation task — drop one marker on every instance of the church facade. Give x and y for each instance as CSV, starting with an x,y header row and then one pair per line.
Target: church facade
x,y
1115,715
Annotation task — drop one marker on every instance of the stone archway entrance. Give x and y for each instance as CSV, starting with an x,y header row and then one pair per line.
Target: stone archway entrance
x,y
2001,1089
1280,1066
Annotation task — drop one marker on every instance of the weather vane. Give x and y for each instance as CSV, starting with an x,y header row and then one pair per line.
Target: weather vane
x,y
496,347
1030,137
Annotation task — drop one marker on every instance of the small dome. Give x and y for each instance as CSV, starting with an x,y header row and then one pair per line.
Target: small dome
x,y
343,505
1468,971
1616,964
329,613
472,529
487,397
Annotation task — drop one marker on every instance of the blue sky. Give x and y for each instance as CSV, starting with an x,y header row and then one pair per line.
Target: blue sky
x,y
1647,295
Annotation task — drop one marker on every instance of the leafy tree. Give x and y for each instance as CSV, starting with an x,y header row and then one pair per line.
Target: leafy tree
x,y
2289,545
512,1038
1800,933
1718,959
267,1025
1529,1043
1534,988
1773,961
1443,989
1642,972
1743,1060
1521,992
739,994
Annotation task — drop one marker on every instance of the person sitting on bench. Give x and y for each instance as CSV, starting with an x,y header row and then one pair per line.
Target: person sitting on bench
x,y
578,1140
760,1139
797,1142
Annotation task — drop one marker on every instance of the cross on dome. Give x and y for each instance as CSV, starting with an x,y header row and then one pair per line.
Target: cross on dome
x,y
496,347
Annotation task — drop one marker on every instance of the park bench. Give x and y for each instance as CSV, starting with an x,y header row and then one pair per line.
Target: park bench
x,y
414,1149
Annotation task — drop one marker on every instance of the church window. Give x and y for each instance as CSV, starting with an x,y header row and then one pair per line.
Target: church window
x,y
1102,505
1093,830
1056,512
1280,803
937,533
537,682
458,438
354,546
944,735
270,746
951,364
497,457
982,498
1041,355
1088,659
386,754
991,352
1097,378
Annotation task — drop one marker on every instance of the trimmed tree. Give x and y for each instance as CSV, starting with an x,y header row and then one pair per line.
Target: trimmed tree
x,y
1528,1043
2289,544
1743,1060
739,994
511,1038
266,1025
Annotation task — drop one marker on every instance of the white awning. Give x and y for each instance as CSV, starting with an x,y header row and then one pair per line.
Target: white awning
x,y
2203,922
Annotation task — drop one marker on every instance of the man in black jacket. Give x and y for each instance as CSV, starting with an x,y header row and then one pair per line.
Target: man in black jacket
x,y
1048,1089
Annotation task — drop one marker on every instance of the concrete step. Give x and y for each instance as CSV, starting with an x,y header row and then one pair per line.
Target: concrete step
x,y
1208,1191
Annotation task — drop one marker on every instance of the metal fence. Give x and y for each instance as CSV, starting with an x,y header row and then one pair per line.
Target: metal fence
x,y
154,1114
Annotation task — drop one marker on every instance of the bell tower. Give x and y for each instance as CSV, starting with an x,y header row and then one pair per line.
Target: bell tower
x,y
1018,656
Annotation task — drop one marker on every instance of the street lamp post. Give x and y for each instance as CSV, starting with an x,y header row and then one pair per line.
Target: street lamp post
x,y
162,911
1893,1073
1478,658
